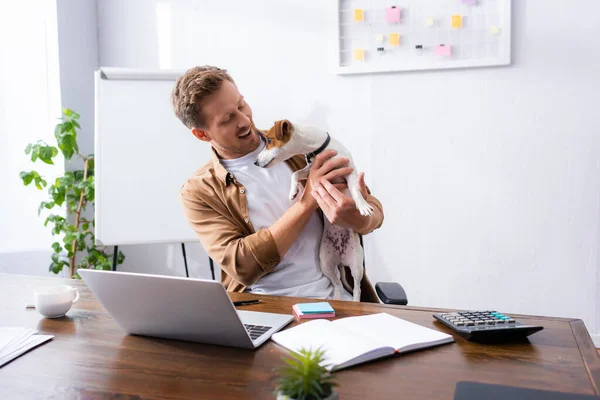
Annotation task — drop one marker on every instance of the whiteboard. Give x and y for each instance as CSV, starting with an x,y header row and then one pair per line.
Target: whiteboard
x,y
144,154
393,35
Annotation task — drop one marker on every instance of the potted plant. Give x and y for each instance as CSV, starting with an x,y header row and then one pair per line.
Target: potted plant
x,y
305,378
72,193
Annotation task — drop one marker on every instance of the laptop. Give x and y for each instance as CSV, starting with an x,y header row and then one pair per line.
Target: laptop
x,y
195,310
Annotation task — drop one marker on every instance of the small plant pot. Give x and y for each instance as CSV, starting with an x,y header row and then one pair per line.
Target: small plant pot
x,y
333,396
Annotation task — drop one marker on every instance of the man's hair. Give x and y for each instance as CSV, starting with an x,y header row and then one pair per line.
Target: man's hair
x,y
192,88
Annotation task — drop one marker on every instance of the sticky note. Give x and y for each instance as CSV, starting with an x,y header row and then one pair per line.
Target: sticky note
x,y
392,14
315,308
443,50
495,30
359,15
394,39
359,54
470,2
379,38
456,21
429,21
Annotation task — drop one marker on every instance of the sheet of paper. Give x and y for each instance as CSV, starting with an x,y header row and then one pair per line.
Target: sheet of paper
x,y
394,39
359,55
430,22
30,343
392,14
11,336
443,51
359,15
457,21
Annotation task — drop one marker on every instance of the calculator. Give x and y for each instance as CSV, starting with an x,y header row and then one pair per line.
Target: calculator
x,y
486,326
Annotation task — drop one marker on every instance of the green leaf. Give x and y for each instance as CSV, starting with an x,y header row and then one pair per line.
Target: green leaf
x,y
58,194
28,148
45,204
70,113
85,226
35,153
120,258
67,145
46,153
57,247
27,177
66,126
39,182
91,166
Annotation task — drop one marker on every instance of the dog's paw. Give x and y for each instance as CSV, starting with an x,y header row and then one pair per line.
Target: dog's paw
x,y
365,209
295,190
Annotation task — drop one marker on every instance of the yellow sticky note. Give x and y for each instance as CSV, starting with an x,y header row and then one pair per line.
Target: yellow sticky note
x,y
495,30
457,21
429,21
379,38
394,39
359,54
359,15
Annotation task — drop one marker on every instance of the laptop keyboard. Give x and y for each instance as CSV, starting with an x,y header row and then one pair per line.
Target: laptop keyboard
x,y
256,331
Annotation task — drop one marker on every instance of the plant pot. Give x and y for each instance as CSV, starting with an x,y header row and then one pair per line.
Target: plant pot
x,y
333,396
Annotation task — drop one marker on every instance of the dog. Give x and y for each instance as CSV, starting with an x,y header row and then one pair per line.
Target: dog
x,y
339,246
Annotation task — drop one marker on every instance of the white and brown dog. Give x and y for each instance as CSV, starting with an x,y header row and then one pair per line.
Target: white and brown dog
x,y
339,246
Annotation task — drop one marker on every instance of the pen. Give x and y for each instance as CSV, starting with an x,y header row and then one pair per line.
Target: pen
x,y
245,302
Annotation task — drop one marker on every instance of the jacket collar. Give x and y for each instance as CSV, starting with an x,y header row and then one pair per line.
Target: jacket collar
x,y
295,163
222,174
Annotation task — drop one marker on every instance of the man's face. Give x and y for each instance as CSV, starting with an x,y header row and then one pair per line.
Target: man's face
x,y
229,126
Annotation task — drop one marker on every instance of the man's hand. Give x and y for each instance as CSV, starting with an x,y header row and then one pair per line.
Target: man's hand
x,y
325,168
340,209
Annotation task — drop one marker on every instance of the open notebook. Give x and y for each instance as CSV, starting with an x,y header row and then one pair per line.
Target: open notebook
x,y
355,340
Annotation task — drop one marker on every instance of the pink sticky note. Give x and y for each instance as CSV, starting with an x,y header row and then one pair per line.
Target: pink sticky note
x,y
392,14
471,2
444,51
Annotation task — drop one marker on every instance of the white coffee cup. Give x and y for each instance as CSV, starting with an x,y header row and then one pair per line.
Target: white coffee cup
x,y
55,301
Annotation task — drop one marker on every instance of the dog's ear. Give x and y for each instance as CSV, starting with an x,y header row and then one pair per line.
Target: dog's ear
x,y
283,129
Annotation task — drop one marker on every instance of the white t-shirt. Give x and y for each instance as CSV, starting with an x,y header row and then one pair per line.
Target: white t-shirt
x,y
267,193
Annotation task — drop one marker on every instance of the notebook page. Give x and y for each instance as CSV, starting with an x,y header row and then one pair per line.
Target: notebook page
x,y
393,331
340,345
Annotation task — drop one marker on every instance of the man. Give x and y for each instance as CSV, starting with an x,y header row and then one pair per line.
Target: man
x,y
242,214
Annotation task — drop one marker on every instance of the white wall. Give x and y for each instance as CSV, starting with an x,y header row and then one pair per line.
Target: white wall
x,y
78,51
29,106
489,177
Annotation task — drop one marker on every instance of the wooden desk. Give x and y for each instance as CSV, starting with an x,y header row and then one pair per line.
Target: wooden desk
x,y
90,357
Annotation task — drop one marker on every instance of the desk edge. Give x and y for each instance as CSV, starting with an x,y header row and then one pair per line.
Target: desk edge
x,y
588,352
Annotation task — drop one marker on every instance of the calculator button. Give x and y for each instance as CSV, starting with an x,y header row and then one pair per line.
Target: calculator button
x,y
479,322
460,323
510,321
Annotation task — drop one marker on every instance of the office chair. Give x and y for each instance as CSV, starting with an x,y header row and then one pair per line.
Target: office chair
x,y
388,292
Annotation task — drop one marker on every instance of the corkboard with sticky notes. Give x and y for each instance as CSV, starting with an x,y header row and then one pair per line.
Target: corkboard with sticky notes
x,y
408,35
